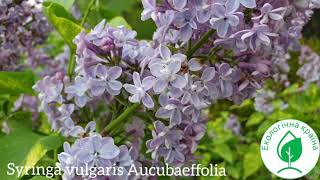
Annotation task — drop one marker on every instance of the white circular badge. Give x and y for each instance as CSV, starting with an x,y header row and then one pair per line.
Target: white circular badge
x,y
290,149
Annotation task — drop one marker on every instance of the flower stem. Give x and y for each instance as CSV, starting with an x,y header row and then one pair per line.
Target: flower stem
x,y
114,123
87,12
72,64
199,44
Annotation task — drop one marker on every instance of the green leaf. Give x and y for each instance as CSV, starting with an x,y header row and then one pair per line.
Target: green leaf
x,y
119,21
234,170
116,7
290,90
67,4
252,161
291,150
22,146
63,22
66,25
15,83
255,119
224,151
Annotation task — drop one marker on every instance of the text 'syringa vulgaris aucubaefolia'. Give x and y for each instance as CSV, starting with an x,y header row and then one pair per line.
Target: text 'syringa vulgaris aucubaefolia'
x,y
202,51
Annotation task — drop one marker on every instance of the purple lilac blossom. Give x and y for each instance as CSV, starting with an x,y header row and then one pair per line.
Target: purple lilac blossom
x,y
22,27
234,125
95,151
139,90
222,19
176,87
310,66
263,101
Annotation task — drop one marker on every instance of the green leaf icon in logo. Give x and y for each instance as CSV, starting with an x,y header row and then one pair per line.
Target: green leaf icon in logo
x,y
289,150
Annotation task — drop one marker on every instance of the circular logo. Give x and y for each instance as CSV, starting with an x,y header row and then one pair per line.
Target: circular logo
x,y
290,149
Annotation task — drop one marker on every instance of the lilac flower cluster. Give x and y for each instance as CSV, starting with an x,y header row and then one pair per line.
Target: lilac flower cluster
x,y
280,60
252,29
96,76
233,124
94,152
310,66
185,69
263,101
22,28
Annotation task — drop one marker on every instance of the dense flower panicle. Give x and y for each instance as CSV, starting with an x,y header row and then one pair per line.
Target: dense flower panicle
x,y
175,145
254,33
234,125
50,89
281,67
22,28
173,78
310,66
93,151
263,101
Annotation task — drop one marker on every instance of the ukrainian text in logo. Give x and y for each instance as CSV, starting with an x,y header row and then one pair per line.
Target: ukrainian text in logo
x,y
290,149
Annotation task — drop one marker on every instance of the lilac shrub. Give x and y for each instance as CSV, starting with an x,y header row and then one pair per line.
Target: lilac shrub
x,y
202,52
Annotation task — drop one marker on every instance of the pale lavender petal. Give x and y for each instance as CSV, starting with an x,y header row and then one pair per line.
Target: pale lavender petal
x,y
147,82
165,52
208,74
130,88
109,151
186,98
194,65
203,15
81,101
179,57
186,33
136,79
91,126
248,3
175,92
84,157
147,101
115,85
222,29
160,85
157,69
233,20
275,16
114,72
174,67
163,113
163,99
179,4
135,98
159,126
175,117
76,131
264,38
219,10
179,82
97,87
101,71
